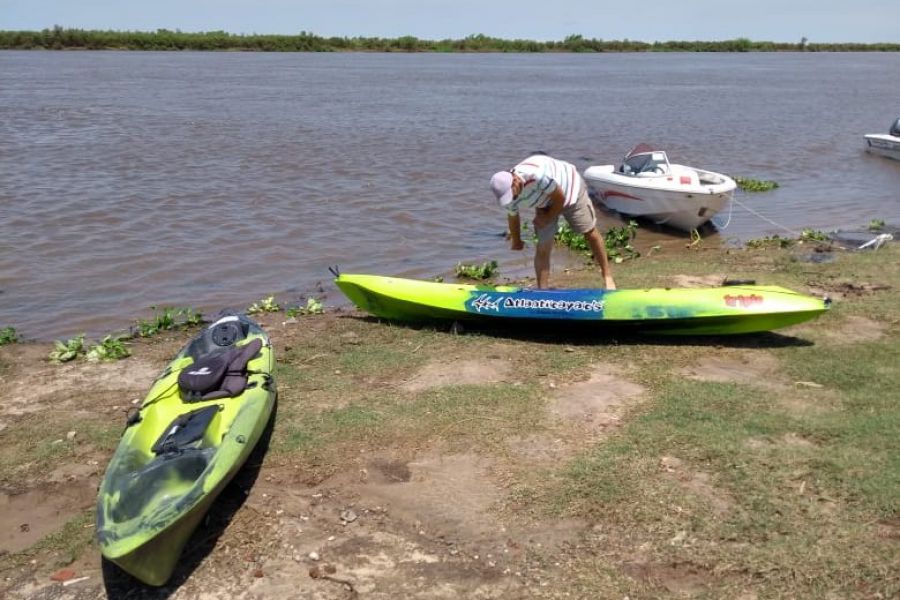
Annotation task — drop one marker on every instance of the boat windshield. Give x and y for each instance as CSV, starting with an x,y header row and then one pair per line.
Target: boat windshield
x,y
895,128
648,162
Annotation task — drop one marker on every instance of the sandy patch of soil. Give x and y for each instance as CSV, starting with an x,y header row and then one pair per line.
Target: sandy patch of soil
x,y
43,384
855,329
28,517
696,482
599,402
460,372
756,368
681,578
841,290
696,281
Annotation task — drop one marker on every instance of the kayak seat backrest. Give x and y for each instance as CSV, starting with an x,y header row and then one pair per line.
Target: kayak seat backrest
x,y
185,430
218,375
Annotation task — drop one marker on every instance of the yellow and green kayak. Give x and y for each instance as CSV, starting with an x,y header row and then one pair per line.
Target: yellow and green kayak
x,y
680,311
196,427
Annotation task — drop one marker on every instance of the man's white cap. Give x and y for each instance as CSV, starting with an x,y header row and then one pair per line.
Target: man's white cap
x,y
501,185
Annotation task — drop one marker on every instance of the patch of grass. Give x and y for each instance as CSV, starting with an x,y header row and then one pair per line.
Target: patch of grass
x,y
69,543
876,225
37,441
466,415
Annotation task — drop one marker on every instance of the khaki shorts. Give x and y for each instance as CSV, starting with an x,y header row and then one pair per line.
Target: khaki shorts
x,y
581,218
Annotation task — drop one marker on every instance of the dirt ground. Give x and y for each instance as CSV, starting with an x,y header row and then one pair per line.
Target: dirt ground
x,y
413,522
423,521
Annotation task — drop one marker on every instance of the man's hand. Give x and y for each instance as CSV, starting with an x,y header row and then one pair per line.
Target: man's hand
x,y
609,283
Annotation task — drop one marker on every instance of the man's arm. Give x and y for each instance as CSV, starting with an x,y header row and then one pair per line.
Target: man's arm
x,y
515,231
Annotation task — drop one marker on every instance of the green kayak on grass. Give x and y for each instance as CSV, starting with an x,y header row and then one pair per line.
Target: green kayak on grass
x,y
196,427
721,310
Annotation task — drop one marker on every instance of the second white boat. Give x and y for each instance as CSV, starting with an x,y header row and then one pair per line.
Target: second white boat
x,y
885,144
647,185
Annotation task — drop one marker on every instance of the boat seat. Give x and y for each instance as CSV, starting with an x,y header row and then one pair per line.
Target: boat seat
x,y
218,375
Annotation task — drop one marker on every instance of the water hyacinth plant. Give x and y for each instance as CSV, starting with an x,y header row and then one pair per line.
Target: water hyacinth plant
x,y
263,306
108,349
64,351
617,239
313,307
618,242
813,235
167,319
754,185
485,270
770,241
8,335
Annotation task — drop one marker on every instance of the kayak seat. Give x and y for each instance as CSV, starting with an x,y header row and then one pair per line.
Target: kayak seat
x,y
220,374
186,430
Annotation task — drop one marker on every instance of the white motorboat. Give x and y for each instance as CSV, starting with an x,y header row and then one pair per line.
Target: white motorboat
x,y
647,185
885,144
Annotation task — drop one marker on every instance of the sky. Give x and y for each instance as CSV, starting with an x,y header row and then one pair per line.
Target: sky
x,y
866,21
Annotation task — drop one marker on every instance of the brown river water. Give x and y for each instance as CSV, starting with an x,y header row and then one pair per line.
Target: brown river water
x,y
130,180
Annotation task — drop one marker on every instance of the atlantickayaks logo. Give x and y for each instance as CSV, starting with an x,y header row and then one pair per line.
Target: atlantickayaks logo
x,y
562,305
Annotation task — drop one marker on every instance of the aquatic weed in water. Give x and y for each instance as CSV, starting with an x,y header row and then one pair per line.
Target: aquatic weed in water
x,y
8,336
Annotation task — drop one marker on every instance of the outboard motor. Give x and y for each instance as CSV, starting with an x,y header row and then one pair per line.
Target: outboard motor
x,y
895,128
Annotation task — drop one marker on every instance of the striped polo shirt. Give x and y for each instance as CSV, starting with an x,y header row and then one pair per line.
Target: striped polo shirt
x,y
542,175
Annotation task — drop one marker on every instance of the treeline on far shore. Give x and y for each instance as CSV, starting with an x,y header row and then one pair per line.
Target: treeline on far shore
x,y
59,38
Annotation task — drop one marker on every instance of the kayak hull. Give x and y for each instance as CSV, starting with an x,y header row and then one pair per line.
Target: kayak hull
x,y
150,501
676,311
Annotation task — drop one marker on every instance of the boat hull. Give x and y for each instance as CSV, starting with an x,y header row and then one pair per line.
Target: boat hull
x,y
693,311
660,199
150,502
883,145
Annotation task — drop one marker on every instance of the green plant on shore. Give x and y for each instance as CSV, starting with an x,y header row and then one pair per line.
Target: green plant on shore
x,y
748,184
263,305
770,241
313,307
64,351
876,224
167,319
813,235
568,237
438,279
618,242
485,270
108,349
696,240
8,336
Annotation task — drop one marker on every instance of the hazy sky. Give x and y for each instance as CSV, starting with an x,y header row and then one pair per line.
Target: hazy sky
x,y
646,20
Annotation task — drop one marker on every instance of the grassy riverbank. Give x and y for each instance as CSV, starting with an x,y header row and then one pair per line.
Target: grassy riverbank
x,y
415,462
60,38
